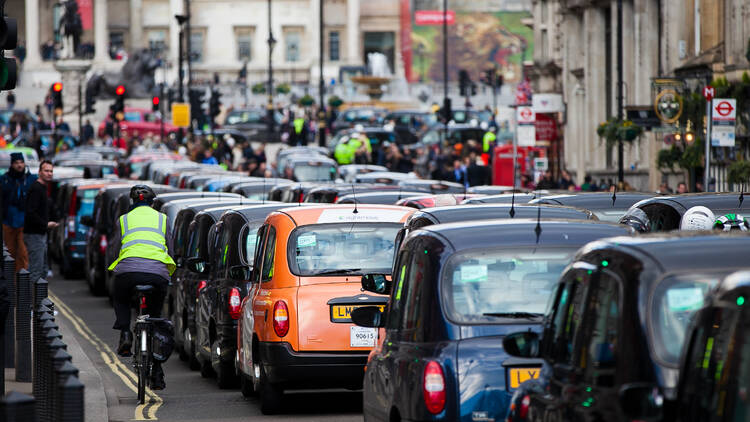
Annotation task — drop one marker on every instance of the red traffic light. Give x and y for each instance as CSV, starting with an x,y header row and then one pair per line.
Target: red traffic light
x,y
120,90
155,101
57,87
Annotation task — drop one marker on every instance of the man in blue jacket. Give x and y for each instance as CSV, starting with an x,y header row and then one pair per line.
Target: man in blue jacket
x,y
15,186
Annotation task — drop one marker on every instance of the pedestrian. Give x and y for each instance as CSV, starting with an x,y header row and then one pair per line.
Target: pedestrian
x,y
664,189
488,144
11,99
15,187
88,132
588,185
682,188
547,182
38,219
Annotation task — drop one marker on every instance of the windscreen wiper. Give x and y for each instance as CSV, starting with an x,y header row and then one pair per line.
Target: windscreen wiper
x,y
343,271
515,315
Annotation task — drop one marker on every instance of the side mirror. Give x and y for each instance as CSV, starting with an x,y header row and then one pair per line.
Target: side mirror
x,y
87,221
368,316
376,283
240,272
523,344
196,265
642,401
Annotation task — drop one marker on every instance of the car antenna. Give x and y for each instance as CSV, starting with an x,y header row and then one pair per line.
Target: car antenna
x,y
399,192
299,197
538,228
513,204
264,191
614,195
742,194
354,194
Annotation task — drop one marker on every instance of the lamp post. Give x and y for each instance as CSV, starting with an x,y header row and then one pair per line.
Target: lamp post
x,y
181,19
620,152
322,86
271,43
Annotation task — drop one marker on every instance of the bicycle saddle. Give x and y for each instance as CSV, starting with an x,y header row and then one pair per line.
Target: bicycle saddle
x,y
144,288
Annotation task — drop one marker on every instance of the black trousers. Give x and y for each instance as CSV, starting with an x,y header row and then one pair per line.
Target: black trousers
x,y
125,291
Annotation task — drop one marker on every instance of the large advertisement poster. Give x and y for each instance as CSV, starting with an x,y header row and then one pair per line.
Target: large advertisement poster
x,y
482,34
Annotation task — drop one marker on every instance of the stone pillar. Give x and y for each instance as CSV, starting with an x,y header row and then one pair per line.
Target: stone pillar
x,y
595,68
32,34
175,8
101,32
352,32
136,25
315,40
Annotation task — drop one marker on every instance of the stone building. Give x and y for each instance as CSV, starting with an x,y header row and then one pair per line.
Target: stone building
x,y
576,56
224,34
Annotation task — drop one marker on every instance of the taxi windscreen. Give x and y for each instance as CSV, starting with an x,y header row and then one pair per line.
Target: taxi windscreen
x,y
342,249
487,286
314,172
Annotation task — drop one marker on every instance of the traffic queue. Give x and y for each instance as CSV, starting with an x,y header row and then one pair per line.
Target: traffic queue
x,y
439,302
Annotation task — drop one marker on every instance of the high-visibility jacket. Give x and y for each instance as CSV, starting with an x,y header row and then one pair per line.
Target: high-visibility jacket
x,y
144,235
299,124
488,138
343,154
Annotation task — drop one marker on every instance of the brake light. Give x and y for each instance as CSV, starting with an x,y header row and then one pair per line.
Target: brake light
x,y
201,285
103,244
433,387
234,303
524,410
71,227
166,180
280,319
301,197
73,203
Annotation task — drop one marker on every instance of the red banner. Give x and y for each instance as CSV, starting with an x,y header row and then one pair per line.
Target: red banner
x,y
86,8
406,54
433,17
546,127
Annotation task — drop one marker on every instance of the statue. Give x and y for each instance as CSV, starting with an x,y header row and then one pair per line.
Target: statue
x,y
137,75
71,28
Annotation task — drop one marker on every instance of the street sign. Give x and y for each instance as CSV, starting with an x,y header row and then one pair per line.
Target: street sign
x,y
181,114
723,120
708,93
526,135
541,164
525,115
725,110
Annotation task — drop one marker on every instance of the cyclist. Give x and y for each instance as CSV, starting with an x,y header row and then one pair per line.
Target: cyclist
x,y
730,222
143,260
698,218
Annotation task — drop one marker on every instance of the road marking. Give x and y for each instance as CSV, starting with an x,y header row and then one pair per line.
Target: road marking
x,y
143,412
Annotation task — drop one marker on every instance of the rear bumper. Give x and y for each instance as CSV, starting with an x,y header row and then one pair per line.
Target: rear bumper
x,y
312,369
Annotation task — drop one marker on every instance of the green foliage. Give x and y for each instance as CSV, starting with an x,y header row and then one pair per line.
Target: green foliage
x,y
306,101
283,89
667,158
739,172
692,157
687,157
259,88
335,102
614,129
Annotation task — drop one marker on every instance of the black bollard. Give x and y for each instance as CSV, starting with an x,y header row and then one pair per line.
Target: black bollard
x,y
61,375
9,272
41,288
53,345
70,405
23,326
48,303
43,323
17,407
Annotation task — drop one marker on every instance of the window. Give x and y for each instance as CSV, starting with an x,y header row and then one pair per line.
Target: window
x,y
566,317
544,43
413,327
196,46
268,255
334,46
223,250
248,243
157,40
396,305
292,41
603,313
244,38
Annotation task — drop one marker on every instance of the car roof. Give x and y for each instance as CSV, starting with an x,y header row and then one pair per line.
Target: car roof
x,y
344,213
507,232
258,212
722,202
595,200
503,198
174,196
733,285
391,195
669,250
456,213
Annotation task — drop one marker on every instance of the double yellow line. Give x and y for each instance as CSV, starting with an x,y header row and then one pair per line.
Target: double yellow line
x,y
143,412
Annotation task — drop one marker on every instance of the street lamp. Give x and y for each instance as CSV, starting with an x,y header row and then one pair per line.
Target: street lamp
x,y
322,109
181,20
271,44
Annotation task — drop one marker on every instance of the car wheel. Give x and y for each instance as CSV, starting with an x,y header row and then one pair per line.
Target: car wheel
x,y
246,386
206,370
65,269
271,395
190,350
225,375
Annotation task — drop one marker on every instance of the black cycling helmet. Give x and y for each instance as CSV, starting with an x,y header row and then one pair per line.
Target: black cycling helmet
x,y
142,193
637,219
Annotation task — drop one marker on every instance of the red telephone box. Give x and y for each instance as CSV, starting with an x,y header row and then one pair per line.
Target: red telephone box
x,y
502,164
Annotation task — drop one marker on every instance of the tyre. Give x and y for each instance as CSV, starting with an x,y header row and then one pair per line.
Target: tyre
x,y
206,370
271,395
187,345
246,386
65,270
225,374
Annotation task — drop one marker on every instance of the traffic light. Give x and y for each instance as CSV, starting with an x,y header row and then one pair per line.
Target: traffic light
x,y
57,99
446,113
155,103
8,41
463,82
214,105
119,99
196,99
473,89
91,94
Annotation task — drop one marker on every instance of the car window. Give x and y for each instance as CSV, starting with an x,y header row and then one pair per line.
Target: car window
x,y
314,172
268,255
601,335
132,116
430,138
480,284
566,317
396,305
674,301
223,261
248,242
413,324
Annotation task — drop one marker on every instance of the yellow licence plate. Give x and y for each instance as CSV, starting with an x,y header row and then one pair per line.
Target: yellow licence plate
x,y
342,313
519,375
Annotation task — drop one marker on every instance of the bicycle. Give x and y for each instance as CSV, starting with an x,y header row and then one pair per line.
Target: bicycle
x,y
142,358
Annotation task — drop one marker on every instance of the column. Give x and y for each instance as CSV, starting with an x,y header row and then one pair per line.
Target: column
x,y
136,25
314,40
101,34
352,32
175,8
32,33
595,68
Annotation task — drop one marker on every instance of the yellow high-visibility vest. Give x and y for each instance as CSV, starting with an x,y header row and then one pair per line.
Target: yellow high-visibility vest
x,y
144,235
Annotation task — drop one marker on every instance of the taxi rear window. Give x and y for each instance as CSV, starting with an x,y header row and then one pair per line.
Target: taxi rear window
x,y
342,249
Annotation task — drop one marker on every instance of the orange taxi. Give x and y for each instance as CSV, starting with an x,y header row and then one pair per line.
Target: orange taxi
x,y
295,329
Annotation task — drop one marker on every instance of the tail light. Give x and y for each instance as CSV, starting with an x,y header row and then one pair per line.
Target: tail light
x,y
71,227
234,303
143,302
166,180
201,285
280,319
433,387
103,244
524,409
